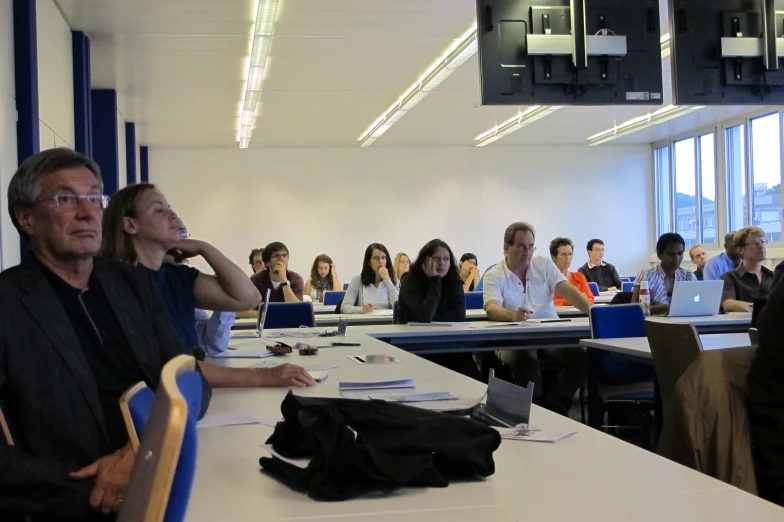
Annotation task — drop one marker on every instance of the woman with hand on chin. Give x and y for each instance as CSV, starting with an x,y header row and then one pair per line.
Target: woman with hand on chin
x,y
469,272
433,291
375,288
139,227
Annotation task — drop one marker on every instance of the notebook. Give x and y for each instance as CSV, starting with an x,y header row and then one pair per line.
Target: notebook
x,y
254,334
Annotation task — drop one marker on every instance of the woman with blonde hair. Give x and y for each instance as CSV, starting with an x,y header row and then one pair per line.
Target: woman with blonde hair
x,y
401,264
140,227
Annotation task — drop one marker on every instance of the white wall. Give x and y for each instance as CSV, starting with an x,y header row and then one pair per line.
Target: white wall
x,y
8,159
121,154
55,77
337,201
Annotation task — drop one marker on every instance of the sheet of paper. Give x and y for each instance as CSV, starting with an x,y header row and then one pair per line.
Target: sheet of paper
x,y
439,323
214,420
415,397
535,435
377,385
256,352
380,312
300,463
319,376
270,421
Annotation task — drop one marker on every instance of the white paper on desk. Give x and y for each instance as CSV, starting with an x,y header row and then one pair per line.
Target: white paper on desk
x,y
439,323
214,420
376,385
415,397
270,421
535,435
319,376
380,312
245,353
300,463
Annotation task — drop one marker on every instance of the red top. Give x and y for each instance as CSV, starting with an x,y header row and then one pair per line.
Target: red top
x,y
577,279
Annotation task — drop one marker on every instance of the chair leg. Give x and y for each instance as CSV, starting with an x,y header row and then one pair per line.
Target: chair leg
x,y
582,404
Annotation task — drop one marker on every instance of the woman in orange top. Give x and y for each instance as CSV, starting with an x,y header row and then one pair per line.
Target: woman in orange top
x,y
562,250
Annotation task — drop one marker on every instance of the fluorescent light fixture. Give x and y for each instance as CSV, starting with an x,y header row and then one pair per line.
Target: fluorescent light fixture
x,y
446,64
261,42
531,114
528,116
642,122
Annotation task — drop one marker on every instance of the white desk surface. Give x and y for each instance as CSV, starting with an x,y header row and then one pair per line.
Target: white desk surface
x,y
573,480
638,346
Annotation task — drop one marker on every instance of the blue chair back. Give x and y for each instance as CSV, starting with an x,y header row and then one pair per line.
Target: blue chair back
x,y
632,278
625,280
628,287
594,289
612,322
289,315
345,286
474,300
333,298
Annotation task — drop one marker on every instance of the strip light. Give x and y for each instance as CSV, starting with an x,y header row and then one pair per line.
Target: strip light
x,y
537,112
528,116
642,122
445,65
263,28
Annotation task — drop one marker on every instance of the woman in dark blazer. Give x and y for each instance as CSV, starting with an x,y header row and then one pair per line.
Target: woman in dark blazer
x,y
433,291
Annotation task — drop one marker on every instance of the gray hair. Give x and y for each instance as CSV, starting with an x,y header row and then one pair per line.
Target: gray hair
x,y
514,228
25,186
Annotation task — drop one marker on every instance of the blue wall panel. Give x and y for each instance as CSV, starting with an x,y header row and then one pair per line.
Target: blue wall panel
x,y
144,164
82,98
130,152
106,149
26,79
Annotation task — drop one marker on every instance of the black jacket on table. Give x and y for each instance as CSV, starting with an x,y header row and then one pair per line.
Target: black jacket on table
x,y
766,399
47,389
431,299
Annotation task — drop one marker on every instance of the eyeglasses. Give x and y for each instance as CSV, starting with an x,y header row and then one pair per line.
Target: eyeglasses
x,y
283,255
71,201
759,243
526,248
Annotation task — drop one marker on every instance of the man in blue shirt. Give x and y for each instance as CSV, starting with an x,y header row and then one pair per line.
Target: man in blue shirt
x,y
724,262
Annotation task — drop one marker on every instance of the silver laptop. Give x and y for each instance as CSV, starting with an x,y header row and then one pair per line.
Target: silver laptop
x,y
696,298
257,333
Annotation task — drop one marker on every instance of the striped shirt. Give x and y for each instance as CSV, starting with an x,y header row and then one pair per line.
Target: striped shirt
x,y
656,287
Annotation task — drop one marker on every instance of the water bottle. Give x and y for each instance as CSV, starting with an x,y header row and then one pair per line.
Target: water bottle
x,y
645,298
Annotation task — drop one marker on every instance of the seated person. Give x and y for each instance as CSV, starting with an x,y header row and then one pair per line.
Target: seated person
x,y
432,291
724,262
75,332
214,331
256,261
562,252
778,273
323,278
285,286
661,278
469,272
375,288
699,257
402,265
522,287
139,228
750,280
597,271
766,400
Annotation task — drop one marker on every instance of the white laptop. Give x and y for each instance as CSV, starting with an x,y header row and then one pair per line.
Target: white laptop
x,y
696,298
254,334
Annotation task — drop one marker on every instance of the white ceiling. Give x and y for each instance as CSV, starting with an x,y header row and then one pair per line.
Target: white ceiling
x,y
335,65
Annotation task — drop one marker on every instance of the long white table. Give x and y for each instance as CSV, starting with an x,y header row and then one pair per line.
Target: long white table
x,y
638,346
592,477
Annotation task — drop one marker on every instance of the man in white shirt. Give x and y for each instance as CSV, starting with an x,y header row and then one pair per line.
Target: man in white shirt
x,y
522,287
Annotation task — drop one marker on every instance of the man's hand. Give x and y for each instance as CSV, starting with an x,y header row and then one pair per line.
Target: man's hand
x,y
368,307
112,474
475,274
522,314
287,375
612,289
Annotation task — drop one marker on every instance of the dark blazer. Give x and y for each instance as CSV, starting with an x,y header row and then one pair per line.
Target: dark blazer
x,y
47,389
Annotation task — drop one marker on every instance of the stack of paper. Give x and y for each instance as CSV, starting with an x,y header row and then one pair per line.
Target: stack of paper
x,y
535,435
319,376
258,352
415,397
376,385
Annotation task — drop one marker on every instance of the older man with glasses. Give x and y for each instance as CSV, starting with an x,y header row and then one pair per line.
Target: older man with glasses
x,y
750,280
522,287
284,285
75,332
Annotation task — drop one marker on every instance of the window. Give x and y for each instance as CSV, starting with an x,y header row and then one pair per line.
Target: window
x,y
708,188
765,145
686,190
663,190
735,159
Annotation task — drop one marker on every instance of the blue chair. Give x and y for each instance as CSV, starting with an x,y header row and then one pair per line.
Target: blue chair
x,y
625,280
474,300
289,315
632,278
594,289
333,298
160,485
345,286
617,382
628,287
